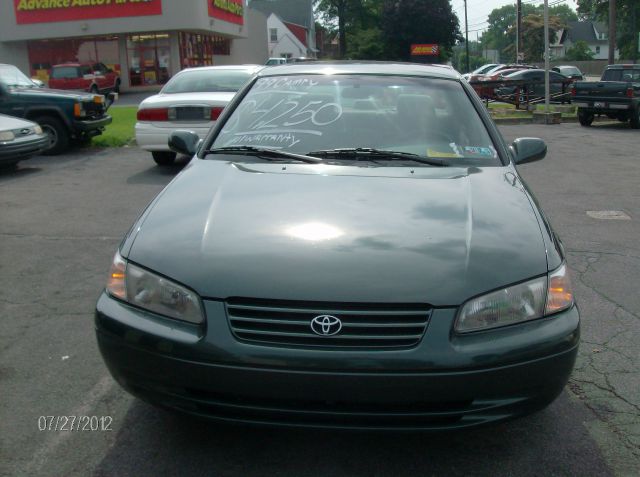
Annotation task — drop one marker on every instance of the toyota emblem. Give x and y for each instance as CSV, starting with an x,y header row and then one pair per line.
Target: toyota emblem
x,y
326,325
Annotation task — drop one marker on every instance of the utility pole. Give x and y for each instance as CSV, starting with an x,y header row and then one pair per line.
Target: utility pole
x,y
612,31
518,30
466,30
546,56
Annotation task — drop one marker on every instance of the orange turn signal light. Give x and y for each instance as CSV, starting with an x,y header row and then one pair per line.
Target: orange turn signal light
x,y
116,281
559,292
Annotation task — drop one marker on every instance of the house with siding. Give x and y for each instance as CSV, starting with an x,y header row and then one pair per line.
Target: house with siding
x,y
291,26
594,34
285,39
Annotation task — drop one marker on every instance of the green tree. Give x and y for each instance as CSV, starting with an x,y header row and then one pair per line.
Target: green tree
x,y
351,19
340,11
627,22
366,44
501,30
579,52
404,22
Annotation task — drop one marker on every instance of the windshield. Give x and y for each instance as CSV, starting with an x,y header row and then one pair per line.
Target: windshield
x,y
570,70
207,81
484,69
416,115
621,75
59,72
12,76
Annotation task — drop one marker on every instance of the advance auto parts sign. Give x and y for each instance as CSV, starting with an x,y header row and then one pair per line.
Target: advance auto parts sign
x,y
45,11
227,10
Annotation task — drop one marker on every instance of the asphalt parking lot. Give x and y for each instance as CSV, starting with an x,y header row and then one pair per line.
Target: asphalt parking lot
x,y
62,219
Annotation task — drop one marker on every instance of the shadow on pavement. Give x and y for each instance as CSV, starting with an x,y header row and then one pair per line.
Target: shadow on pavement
x,y
154,442
19,170
158,174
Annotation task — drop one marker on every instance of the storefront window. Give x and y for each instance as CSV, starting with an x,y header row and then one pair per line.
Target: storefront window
x,y
148,59
43,54
198,49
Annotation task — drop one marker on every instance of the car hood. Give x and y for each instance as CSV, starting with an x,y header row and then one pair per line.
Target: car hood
x,y
337,233
8,123
160,100
37,94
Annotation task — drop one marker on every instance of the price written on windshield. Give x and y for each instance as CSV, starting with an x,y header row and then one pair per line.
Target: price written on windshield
x,y
286,113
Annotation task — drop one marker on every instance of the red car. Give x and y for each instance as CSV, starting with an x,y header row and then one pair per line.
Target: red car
x,y
488,91
95,78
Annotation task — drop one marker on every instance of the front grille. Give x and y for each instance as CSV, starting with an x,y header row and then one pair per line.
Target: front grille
x,y
364,325
93,110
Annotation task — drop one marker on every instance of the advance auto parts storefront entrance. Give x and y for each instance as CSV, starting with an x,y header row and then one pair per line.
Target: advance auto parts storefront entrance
x,y
145,41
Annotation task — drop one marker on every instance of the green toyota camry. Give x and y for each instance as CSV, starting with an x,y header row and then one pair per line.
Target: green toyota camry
x,y
351,246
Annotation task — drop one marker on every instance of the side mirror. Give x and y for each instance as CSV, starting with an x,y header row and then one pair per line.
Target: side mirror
x,y
38,83
184,142
528,149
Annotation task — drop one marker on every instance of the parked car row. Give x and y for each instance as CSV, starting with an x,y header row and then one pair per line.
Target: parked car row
x,y
64,117
559,82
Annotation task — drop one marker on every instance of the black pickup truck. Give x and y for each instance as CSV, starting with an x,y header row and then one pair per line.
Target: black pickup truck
x,y
65,116
616,95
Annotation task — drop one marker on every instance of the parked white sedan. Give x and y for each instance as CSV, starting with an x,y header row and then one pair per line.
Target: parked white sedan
x,y
193,99
19,139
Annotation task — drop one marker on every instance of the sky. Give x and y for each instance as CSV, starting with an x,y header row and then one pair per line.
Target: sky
x,y
478,11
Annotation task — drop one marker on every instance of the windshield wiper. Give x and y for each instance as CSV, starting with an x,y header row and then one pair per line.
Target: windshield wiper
x,y
367,152
265,152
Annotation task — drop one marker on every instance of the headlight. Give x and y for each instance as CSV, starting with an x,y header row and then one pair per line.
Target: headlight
x,y
7,136
37,130
152,292
518,303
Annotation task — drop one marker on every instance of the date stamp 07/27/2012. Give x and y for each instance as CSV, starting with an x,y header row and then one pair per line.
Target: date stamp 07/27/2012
x,y
75,423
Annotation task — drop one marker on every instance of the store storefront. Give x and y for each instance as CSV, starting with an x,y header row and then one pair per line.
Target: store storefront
x,y
145,41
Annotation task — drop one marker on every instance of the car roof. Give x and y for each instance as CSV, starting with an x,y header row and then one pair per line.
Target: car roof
x,y
625,66
248,67
364,68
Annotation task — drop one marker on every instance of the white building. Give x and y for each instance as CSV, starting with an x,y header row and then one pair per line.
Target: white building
x,y
594,34
296,16
286,40
146,42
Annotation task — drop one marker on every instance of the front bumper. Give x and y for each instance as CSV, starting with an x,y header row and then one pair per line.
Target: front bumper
x,y
445,382
92,126
152,137
23,148
604,107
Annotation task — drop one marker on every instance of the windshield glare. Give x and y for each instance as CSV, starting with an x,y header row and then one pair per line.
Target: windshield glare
x,y
300,114
12,76
207,81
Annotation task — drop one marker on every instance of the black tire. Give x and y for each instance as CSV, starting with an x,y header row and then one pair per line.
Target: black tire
x,y
94,89
57,132
635,118
164,158
622,117
585,117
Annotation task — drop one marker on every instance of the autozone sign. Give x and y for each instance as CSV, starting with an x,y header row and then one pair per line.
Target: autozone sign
x,y
44,11
425,49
